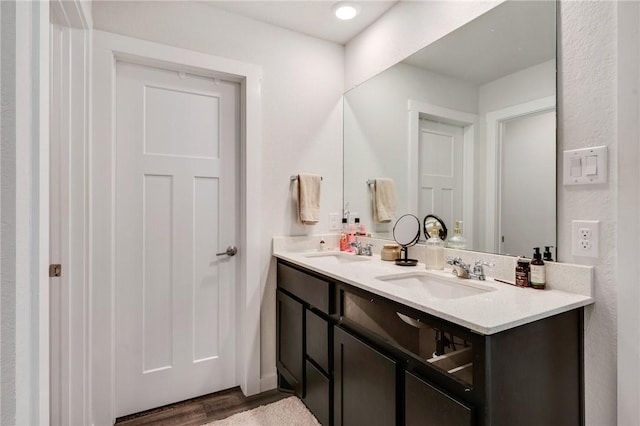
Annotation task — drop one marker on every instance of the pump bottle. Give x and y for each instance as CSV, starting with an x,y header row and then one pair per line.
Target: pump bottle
x,y
434,252
457,241
537,270
344,245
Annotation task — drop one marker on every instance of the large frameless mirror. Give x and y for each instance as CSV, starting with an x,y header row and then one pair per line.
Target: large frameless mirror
x,y
466,129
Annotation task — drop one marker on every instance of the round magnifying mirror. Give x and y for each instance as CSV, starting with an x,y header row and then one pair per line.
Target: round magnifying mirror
x,y
433,225
406,232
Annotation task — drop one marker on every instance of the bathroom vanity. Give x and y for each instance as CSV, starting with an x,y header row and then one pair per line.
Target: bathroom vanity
x,y
361,343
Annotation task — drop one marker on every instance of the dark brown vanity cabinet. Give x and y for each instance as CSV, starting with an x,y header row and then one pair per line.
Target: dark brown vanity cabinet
x,y
356,358
304,332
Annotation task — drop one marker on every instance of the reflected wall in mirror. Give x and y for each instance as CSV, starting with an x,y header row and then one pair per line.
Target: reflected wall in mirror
x,y
466,128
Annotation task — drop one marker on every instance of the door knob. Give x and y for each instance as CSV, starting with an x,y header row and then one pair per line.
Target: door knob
x,y
231,251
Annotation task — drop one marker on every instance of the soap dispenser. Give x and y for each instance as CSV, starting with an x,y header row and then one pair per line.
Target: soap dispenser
x,y
344,246
457,241
434,252
547,254
537,270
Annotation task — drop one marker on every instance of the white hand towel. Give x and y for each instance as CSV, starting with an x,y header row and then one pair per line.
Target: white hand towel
x,y
309,198
384,200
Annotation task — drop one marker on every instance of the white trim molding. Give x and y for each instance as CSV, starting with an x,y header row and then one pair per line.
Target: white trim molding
x,y
70,134
107,49
494,120
469,122
73,13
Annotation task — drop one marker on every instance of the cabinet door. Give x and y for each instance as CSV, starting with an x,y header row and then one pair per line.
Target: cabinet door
x,y
290,343
364,383
426,405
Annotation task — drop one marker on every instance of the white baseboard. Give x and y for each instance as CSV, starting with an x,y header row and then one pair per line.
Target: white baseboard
x,y
268,382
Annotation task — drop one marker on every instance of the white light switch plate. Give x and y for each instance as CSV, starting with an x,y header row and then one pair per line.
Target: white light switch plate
x,y
334,222
585,166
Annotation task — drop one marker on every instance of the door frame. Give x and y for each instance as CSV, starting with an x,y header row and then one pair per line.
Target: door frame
x,y
469,122
495,119
69,123
108,48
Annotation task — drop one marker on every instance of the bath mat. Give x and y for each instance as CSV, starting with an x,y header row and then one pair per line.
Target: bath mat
x,y
289,411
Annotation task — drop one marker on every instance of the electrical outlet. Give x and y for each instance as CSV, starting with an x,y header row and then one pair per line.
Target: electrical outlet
x,y
584,236
585,244
585,233
334,222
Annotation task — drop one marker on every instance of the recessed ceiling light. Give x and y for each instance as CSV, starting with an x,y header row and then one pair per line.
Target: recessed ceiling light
x,y
345,10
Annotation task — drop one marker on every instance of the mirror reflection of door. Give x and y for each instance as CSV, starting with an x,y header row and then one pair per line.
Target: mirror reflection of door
x,y
441,148
528,196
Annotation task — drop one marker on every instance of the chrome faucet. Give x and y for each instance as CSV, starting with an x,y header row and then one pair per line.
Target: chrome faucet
x,y
360,250
462,270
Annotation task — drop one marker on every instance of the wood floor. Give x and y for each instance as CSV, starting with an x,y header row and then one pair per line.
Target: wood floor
x,y
203,409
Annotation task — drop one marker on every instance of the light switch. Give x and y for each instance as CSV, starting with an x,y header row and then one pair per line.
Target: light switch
x,y
592,165
576,167
586,166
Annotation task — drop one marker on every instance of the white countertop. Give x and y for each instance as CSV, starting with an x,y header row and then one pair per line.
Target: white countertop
x,y
490,312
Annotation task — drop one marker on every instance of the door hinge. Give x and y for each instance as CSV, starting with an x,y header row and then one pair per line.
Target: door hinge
x,y
55,270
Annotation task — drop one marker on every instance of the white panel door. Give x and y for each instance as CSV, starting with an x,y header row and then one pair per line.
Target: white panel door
x,y
441,174
176,207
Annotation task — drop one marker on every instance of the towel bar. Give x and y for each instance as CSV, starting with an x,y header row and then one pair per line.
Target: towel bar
x,y
295,177
371,181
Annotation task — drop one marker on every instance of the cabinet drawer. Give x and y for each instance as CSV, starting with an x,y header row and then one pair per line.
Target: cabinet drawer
x,y
317,396
318,340
424,404
310,289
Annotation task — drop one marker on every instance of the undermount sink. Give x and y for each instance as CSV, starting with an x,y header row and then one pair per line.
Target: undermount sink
x,y
336,257
437,288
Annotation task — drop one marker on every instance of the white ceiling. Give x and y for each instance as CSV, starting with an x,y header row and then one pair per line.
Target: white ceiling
x,y
513,36
314,18
510,37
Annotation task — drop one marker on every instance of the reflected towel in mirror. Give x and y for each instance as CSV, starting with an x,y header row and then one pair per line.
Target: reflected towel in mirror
x,y
384,200
309,198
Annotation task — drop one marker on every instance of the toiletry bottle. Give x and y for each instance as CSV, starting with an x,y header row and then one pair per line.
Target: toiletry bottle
x,y
522,272
537,270
360,228
351,236
343,235
547,254
434,252
457,241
